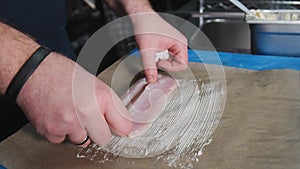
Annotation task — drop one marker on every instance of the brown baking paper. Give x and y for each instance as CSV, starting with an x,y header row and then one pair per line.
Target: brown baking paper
x,y
259,129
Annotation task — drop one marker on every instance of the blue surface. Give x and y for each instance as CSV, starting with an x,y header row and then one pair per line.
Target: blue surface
x,y
249,61
245,61
1,167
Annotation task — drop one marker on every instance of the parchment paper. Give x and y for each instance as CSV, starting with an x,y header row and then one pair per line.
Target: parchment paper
x,y
260,128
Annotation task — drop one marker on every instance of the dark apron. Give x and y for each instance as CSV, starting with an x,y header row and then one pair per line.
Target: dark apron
x,y
43,20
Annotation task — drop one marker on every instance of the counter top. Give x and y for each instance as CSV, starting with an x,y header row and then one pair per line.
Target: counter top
x,y
259,129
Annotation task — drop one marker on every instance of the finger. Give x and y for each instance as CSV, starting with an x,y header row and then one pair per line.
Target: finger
x,y
172,66
85,142
180,53
178,60
117,116
149,64
97,128
55,139
78,136
151,74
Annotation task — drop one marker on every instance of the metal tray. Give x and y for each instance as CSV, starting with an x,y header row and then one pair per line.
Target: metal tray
x,y
281,16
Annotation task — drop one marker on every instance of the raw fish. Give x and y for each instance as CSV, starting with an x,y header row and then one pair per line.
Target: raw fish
x,y
146,101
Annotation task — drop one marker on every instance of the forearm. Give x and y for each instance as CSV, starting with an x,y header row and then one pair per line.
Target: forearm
x,y
128,7
15,49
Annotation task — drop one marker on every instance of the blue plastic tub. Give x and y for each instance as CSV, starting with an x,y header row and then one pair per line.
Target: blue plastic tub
x,y
275,39
275,32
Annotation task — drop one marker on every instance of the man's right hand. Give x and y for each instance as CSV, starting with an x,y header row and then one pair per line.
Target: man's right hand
x,y
59,101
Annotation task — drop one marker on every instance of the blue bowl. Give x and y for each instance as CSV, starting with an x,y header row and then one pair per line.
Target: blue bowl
x,y
275,39
275,32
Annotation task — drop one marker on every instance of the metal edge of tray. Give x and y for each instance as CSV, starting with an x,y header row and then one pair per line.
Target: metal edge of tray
x,y
253,20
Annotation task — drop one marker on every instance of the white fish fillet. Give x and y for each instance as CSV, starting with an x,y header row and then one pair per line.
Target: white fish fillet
x,y
145,102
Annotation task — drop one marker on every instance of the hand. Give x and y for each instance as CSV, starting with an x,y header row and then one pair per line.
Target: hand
x,y
60,102
154,34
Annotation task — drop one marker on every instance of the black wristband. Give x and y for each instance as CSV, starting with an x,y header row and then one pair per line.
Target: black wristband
x,y
25,72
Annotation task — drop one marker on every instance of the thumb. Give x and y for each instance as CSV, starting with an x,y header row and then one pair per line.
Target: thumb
x,y
151,75
149,64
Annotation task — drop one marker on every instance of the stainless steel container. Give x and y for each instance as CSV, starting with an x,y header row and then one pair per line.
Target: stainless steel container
x,y
275,32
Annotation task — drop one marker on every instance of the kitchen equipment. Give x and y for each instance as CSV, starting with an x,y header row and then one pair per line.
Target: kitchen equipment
x,y
241,6
275,32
